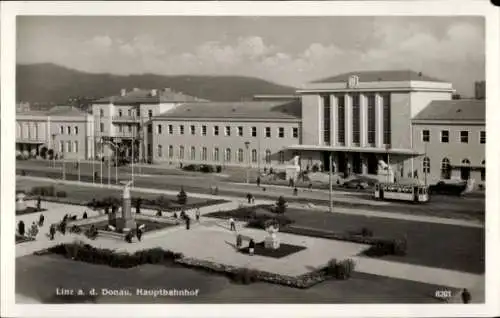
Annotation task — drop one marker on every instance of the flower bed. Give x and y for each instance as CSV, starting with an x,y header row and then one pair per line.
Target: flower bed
x,y
86,253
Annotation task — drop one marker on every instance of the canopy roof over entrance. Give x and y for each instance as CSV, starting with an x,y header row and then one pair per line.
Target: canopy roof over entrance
x,y
392,151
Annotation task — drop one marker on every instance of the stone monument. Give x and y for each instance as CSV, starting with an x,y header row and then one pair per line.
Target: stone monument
x,y
20,204
292,170
271,241
126,221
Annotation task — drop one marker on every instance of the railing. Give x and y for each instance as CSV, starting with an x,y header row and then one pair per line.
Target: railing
x,y
127,118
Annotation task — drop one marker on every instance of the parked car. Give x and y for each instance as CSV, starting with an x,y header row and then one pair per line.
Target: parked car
x,y
356,184
448,188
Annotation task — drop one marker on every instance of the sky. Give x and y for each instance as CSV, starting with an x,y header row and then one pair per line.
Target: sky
x,y
285,50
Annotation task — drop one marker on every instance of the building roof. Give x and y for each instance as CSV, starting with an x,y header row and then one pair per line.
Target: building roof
x,y
381,76
460,109
237,110
147,96
68,111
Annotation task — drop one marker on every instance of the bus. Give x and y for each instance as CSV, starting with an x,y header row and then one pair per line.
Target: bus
x,y
416,193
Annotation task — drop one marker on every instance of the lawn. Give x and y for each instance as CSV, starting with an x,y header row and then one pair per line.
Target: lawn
x,y
39,276
429,244
85,193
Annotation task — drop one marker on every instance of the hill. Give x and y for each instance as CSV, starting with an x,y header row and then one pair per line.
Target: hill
x,y
52,83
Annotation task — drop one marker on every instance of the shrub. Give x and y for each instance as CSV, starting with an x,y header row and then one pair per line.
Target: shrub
x,y
48,191
388,247
245,276
366,232
190,168
207,169
281,205
262,221
182,197
61,194
340,270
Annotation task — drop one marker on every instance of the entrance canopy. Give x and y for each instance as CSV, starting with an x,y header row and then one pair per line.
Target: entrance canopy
x,y
391,151
31,142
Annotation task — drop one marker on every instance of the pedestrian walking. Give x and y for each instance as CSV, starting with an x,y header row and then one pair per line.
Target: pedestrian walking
x,y
198,214
265,170
251,247
175,215
21,228
253,199
290,182
465,296
39,203
232,224
258,181
310,186
249,198
188,222
41,220
295,191
52,231
139,234
85,214
239,241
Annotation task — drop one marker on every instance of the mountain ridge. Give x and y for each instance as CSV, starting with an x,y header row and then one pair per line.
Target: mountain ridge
x,y
48,82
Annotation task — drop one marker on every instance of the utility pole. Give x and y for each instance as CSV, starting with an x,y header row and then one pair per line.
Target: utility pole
x,y
330,182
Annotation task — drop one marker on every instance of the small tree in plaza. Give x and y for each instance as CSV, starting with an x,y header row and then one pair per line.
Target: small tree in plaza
x,y
281,205
182,196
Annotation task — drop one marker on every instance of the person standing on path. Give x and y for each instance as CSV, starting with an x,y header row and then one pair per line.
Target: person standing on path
x,y
198,214
52,231
251,247
41,220
465,296
232,224
188,222
39,203
258,181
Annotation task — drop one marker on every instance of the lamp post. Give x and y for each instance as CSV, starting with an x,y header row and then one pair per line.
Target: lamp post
x,y
426,167
387,147
247,146
54,150
330,182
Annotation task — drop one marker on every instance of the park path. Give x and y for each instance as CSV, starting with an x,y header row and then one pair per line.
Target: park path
x,y
351,211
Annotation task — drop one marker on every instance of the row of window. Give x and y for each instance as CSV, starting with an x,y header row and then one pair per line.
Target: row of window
x,y
129,113
445,136
446,167
68,130
227,131
68,146
228,155
356,124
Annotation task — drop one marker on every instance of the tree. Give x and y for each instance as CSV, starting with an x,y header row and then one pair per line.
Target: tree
x,y
281,205
182,197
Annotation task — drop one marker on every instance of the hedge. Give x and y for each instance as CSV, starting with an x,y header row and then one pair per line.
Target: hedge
x,y
86,253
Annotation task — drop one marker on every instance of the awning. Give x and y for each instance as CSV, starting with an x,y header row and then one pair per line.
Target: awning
x,y
391,151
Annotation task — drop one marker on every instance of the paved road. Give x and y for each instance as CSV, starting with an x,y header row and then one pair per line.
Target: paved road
x,y
467,207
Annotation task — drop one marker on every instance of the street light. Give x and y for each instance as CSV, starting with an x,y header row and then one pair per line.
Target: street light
x,y
247,146
54,150
330,182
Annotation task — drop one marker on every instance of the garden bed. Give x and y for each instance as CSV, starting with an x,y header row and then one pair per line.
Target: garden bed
x,y
30,210
22,239
86,253
282,251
